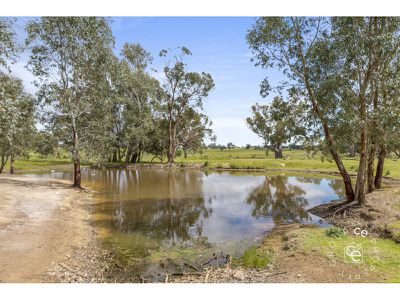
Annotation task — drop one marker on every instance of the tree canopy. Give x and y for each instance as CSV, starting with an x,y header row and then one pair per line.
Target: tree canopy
x,y
338,81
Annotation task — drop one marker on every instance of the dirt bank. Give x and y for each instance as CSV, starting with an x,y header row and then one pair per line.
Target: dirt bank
x,y
46,236
301,253
304,253
44,227
380,215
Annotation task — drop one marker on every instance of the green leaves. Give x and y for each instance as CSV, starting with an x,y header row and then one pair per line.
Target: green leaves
x,y
183,94
17,117
8,47
136,56
71,58
277,123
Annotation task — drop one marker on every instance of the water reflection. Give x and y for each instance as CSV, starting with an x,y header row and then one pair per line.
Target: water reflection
x,y
166,206
279,199
153,208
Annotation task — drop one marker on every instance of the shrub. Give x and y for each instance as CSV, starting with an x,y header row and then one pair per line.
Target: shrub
x,y
252,259
335,232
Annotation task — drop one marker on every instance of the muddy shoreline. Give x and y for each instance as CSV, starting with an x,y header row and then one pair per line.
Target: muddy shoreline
x,y
216,169
64,246
42,224
380,215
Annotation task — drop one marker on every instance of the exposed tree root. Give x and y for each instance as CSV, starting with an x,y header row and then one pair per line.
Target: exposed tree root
x,y
344,209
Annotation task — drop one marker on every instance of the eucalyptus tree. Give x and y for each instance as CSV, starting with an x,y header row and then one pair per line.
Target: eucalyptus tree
x,y
290,45
384,103
195,127
8,47
230,145
17,120
315,55
377,43
276,123
386,117
70,58
182,91
136,105
45,143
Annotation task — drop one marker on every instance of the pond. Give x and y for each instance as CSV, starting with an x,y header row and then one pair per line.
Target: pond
x,y
147,210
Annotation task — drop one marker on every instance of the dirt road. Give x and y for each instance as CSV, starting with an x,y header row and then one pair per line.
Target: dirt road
x,y
41,223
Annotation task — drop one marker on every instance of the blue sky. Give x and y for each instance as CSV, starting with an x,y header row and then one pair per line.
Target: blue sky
x,y
218,46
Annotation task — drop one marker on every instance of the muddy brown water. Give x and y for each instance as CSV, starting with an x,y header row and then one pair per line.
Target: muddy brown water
x,y
158,211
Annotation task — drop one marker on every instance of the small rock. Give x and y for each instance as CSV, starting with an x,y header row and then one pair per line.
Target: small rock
x,y
239,274
298,275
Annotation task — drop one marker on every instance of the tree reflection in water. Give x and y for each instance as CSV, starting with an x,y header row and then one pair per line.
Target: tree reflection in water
x,y
279,199
170,211
151,208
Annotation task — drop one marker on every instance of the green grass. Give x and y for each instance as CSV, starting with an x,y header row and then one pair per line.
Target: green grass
x,y
335,232
381,257
254,258
39,164
36,163
237,158
395,225
387,251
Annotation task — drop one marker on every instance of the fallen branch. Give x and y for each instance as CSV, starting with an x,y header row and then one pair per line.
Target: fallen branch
x,y
191,266
185,274
207,276
275,274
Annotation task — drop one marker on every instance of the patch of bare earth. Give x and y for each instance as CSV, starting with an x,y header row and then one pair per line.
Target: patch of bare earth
x,y
291,264
380,213
287,265
45,232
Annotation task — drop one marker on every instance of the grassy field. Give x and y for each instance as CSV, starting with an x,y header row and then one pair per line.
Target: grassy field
x,y
36,163
293,160
237,158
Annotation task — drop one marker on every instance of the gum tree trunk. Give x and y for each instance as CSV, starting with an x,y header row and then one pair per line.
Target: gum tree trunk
x,y
379,167
75,155
4,160
328,136
128,154
362,168
332,149
372,151
134,158
370,175
278,153
115,159
12,160
171,144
